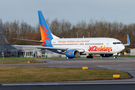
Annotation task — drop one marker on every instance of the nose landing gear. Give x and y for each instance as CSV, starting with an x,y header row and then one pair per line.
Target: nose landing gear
x,y
115,55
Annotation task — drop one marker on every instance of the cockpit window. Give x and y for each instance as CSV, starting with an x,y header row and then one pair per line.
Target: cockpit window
x,y
117,42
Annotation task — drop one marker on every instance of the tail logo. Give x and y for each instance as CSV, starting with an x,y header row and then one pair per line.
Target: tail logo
x,y
44,34
5,40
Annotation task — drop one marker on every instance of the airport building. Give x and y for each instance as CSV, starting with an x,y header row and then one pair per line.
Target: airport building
x,y
22,51
132,51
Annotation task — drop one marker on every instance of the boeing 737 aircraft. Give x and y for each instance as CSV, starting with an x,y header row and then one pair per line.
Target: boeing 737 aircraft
x,y
74,47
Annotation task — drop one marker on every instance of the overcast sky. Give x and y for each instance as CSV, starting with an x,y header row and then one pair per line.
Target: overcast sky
x,y
69,10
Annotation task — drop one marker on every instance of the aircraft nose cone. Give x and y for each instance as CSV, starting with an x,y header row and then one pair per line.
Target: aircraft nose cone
x,y
122,47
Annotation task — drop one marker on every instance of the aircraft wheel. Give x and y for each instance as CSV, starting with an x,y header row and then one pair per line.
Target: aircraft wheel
x,y
90,56
69,57
115,57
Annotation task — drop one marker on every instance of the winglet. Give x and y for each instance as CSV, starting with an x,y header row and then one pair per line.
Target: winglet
x,y
5,40
128,41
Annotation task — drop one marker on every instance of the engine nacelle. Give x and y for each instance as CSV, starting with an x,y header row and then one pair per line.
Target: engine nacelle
x,y
106,55
72,53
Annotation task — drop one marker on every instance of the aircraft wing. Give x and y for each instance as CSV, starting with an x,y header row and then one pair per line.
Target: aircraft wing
x,y
39,47
63,49
49,48
52,48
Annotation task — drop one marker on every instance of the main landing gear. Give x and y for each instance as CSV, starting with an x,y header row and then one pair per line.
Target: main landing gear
x,y
90,56
69,57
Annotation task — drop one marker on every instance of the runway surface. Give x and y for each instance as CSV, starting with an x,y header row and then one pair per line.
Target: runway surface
x,y
73,87
123,64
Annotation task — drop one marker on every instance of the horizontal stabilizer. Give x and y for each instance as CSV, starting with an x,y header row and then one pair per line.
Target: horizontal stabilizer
x,y
29,40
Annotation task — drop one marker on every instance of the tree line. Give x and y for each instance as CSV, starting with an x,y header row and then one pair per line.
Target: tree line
x,y
64,29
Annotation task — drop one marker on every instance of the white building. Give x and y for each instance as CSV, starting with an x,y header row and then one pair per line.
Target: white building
x,y
22,51
132,51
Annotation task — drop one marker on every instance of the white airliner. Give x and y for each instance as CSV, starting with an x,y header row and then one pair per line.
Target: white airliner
x,y
74,47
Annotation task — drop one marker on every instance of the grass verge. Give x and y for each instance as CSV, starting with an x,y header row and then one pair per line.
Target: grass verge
x,y
126,56
19,61
47,74
6,58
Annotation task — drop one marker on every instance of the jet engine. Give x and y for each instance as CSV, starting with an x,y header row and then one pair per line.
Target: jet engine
x,y
72,53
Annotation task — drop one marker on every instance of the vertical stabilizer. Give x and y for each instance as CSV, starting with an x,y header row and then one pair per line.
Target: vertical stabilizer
x,y
46,35
44,29
6,41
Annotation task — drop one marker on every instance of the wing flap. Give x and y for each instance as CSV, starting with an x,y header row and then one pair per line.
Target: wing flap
x,y
53,48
